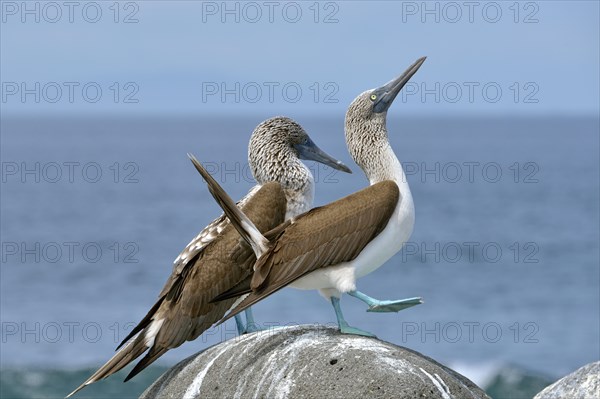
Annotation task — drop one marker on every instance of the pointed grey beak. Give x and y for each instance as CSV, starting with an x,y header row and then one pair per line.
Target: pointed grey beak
x,y
387,93
310,151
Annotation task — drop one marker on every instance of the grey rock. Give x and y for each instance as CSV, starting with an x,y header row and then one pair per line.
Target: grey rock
x,y
583,383
310,362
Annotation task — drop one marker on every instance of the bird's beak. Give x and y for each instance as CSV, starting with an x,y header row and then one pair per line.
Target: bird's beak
x,y
391,89
311,152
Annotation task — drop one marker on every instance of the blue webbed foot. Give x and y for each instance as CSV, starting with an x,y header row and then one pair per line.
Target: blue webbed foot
x,y
346,329
252,327
376,305
394,306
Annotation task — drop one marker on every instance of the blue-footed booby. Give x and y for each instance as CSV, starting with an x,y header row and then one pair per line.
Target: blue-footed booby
x,y
217,259
329,247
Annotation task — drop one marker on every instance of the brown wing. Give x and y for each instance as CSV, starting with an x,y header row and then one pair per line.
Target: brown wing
x,y
188,258
209,233
184,310
322,237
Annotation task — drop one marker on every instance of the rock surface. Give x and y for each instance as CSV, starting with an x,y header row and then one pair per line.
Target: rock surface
x,y
583,383
310,362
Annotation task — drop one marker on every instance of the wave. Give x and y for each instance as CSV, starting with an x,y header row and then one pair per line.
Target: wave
x,y
499,381
504,381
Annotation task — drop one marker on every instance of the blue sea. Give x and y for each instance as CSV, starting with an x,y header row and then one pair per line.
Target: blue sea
x,y
505,250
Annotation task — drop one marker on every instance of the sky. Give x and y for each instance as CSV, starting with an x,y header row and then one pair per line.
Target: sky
x,y
207,57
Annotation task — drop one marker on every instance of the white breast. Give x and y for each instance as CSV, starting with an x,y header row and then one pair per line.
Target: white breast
x,y
389,241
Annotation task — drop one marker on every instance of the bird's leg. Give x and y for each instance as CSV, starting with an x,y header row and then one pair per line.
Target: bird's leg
x,y
344,327
251,325
240,324
376,305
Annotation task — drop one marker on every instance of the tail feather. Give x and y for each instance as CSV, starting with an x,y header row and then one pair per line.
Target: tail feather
x,y
150,357
122,358
135,345
144,323
238,219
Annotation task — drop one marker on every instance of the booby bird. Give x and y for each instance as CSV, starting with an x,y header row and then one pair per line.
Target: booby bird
x,y
329,247
217,258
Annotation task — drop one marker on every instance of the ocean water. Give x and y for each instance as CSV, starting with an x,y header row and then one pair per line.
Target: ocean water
x,y
505,250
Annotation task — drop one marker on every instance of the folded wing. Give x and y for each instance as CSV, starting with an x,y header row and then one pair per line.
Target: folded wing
x,y
184,310
322,237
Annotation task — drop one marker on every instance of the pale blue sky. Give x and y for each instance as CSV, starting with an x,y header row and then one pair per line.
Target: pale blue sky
x,y
543,57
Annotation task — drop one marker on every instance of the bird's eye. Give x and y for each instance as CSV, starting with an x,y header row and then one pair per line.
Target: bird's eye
x,y
373,97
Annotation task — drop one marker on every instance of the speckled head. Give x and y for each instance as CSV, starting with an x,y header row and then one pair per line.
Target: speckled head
x,y
366,131
277,145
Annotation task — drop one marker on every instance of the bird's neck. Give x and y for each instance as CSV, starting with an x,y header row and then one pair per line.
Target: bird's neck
x,y
296,180
300,190
388,167
371,150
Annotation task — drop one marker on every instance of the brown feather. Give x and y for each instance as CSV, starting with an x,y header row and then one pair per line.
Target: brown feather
x,y
243,287
122,358
322,237
223,263
184,305
240,221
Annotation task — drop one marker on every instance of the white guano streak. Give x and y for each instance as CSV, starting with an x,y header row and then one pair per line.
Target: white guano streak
x,y
437,384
